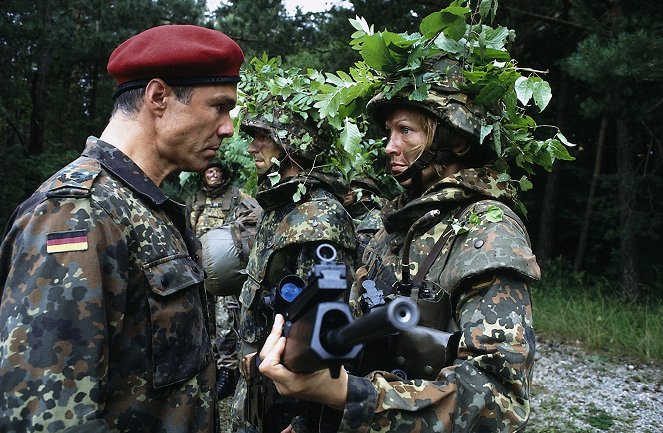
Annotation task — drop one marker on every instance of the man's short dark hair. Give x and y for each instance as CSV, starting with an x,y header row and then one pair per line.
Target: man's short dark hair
x,y
131,100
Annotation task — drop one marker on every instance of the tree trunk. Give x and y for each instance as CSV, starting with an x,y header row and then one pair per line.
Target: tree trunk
x,y
629,278
545,245
582,242
40,86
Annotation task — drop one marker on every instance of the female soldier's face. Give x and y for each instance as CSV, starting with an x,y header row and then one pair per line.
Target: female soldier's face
x,y
407,138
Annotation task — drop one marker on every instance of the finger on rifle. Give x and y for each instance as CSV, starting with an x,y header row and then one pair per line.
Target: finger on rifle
x,y
273,337
272,358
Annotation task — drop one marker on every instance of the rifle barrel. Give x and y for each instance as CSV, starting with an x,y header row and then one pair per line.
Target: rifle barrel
x,y
400,314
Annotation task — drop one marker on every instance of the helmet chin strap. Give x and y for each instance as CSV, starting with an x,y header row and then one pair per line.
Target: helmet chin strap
x,y
436,152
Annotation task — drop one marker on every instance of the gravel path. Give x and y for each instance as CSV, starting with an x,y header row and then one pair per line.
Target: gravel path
x,y
579,392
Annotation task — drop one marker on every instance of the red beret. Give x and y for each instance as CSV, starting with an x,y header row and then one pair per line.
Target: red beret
x,y
184,55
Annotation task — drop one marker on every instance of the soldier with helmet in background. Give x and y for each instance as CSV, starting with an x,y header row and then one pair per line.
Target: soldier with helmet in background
x,y
364,201
302,210
220,211
451,242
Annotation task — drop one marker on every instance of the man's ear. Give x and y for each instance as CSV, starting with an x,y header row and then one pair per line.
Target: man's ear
x,y
156,93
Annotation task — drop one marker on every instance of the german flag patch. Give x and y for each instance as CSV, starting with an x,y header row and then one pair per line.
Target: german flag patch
x,y
62,242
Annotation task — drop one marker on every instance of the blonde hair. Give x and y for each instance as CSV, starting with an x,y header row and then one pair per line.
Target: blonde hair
x,y
428,124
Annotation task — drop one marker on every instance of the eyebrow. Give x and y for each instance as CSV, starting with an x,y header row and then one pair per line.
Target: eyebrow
x,y
224,100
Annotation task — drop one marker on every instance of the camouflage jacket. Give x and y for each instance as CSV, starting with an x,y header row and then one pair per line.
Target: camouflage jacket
x,y
285,244
479,283
104,325
211,208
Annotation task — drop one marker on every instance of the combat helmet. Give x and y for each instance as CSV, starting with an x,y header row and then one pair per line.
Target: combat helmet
x,y
445,100
298,138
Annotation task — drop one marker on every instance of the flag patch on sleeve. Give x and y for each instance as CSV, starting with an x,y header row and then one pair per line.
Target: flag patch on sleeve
x,y
62,242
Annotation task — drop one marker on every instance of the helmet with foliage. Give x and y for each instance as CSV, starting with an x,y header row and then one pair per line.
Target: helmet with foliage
x,y
280,103
445,100
459,69
298,138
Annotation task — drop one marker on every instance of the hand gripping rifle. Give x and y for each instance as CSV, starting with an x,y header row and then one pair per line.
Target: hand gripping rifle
x,y
319,329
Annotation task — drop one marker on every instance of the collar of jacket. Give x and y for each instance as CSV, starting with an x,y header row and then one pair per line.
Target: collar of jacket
x,y
270,197
113,160
467,185
215,191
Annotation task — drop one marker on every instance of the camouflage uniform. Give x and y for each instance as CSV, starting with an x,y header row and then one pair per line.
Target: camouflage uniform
x,y
288,234
367,220
211,208
478,282
104,319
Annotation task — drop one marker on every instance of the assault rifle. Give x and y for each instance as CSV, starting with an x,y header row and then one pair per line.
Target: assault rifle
x,y
320,333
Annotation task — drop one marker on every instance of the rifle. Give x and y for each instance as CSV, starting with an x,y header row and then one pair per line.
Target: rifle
x,y
320,333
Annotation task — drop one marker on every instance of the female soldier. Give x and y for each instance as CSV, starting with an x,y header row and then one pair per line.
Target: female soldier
x,y
452,229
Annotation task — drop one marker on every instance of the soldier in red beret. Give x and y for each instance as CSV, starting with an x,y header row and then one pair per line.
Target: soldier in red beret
x,y
104,323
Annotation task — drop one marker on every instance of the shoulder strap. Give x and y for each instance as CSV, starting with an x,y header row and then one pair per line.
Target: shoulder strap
x,y
435,251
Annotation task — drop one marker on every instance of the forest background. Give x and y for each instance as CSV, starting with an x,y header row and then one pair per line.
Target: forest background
x,y
596,223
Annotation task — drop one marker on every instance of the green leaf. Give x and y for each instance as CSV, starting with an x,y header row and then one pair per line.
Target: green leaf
x,y
560,151
449,45
301,191
542,93
490,94
458,228
494,214
524,90
420,93
457,29
485,7
486,129
525,184
360,23
376,54
503,177
564,140
474,219
449,20
274,178
350,137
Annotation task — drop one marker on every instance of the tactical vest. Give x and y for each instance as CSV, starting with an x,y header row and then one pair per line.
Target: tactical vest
x,y
211,212
449,259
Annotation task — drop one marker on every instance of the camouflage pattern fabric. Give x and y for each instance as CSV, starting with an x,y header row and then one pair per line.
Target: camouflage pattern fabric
x,y
285,244
208,209
103,314
479,281
211,208
366,227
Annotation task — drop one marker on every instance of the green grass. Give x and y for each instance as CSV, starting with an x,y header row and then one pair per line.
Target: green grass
x,y
572,307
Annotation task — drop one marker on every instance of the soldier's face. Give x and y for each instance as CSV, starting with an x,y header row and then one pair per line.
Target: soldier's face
x,y
213,176
407,138
262,148
191,133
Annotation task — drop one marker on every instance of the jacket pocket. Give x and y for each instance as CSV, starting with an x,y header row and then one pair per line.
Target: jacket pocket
x,y
179,336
